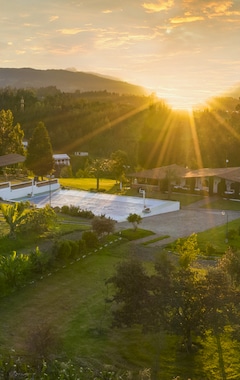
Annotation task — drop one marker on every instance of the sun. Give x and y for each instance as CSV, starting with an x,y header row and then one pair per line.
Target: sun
x,y
180,100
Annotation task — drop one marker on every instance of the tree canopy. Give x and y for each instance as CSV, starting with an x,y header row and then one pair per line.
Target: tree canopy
x,y
39,154
149,131
180,301
10,136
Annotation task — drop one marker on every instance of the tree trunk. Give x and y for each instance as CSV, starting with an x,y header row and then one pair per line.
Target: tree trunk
x,y
220,357
189,341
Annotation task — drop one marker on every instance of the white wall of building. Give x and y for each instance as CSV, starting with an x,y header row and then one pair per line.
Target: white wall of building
x,y
26,189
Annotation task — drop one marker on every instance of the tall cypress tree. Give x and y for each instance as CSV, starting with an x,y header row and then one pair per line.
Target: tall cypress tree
x,y
40,155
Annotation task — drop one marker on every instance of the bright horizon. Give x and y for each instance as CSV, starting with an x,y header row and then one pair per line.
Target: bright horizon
x,y
185,51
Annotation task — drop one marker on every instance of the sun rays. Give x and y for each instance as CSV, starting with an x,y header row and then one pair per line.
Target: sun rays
x,y
110,124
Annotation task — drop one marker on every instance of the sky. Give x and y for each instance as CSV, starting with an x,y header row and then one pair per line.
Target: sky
x,y
185,51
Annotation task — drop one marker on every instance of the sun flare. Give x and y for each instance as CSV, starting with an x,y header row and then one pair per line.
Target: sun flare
x,y
180,100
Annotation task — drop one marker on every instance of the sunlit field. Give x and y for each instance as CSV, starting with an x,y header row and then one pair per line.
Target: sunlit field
x,y
88,184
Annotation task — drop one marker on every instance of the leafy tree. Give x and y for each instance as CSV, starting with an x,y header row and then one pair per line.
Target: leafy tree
x,y
66,172
130,283
135,219
221,302
162,294
98,168
230,263
187,250
10,136
119,164
187,308
39,154
102,225
14,215
176,301
179,301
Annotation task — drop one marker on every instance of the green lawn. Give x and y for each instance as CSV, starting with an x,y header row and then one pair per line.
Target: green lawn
x,y
217,237
223,204
108,185
65,224
72,302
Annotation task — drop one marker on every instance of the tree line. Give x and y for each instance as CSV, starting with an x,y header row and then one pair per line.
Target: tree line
x,y
146,128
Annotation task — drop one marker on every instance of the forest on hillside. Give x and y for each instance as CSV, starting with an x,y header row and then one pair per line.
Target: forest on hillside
x,y
146,128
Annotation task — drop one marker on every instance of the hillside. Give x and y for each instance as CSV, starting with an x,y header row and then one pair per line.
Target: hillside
x,y
64,80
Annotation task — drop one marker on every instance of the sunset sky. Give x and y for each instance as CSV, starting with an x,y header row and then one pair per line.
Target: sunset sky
x,y
183,50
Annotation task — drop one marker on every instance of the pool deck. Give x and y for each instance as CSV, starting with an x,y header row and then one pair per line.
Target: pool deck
x,y
116,207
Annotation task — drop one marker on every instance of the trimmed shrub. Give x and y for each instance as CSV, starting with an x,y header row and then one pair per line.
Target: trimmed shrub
x,y
82,246
90,239
74,249
62,250
76,211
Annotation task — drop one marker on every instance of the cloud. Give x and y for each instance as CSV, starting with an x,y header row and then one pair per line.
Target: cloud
x,y
20,52
161,5
210,8
218,7
53,18
71,31
106,11
186,19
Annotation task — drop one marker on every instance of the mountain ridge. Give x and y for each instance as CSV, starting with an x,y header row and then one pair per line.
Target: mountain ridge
x,y
65,80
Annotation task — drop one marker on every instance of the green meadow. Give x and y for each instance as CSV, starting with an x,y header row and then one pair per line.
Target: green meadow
x,y
72,301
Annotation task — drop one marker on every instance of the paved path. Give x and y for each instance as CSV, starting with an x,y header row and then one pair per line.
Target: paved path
x,y
184,222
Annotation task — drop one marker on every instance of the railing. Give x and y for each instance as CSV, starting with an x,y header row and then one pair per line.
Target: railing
x,y
26,189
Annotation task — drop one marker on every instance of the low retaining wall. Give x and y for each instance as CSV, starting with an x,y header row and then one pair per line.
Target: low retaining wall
x,y
26,189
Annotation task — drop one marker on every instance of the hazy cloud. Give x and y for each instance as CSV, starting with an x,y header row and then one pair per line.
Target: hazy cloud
x,y
159,6
166,45
53,18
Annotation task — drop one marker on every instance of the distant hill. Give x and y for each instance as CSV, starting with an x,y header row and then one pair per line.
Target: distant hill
x,y
66,81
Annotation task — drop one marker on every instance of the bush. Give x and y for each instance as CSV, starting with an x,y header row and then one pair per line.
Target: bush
x,y
62,250
40,261
41,343
232,234
68,249
210,249
90,239
38,220
76,211
82,246
65,209
102,225
74,249
15,269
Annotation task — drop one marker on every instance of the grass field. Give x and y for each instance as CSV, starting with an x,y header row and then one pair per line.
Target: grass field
x,y
72,302
108,185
